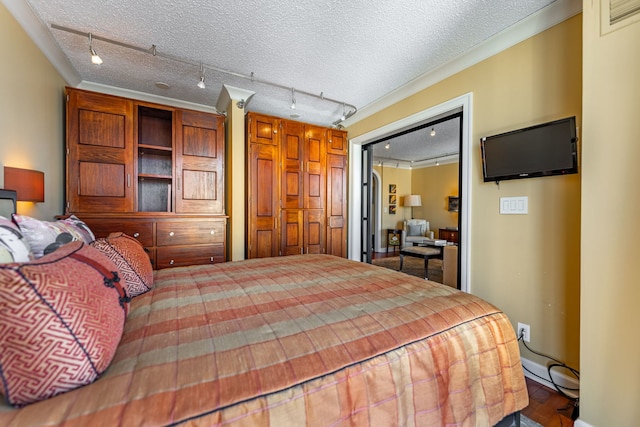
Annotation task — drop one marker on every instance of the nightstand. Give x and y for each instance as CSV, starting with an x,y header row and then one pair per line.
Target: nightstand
x,y
393,239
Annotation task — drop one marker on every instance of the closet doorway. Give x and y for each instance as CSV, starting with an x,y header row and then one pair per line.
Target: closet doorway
x,y
367,206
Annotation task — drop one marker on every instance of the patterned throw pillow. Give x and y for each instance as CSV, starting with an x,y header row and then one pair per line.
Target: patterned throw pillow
x,y
134,263
46,236
13,245
61,319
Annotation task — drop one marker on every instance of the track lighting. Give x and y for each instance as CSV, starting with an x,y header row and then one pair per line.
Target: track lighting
x,y
387,146
95,58
201,84
153,50
433,132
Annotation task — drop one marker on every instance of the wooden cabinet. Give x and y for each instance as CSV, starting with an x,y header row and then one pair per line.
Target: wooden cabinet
x,y
137,167
296,176
169,241
448,234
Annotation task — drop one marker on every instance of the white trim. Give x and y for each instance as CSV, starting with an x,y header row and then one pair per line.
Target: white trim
x,y
559,377
43,38
355,178
580,423
540,21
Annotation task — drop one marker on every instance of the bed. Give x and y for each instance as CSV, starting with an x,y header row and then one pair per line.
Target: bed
x,y
298,340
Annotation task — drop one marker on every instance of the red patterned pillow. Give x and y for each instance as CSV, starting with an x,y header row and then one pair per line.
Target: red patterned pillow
x,y
61,319
134,263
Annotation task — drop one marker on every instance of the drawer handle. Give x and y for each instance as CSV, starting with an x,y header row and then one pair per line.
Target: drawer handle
x,y
171,262
136,235
211,259
212,232
171,233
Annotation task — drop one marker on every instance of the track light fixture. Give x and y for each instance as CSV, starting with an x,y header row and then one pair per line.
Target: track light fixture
x,y
95,58
387,146
201,84
348,109
293,99
433,132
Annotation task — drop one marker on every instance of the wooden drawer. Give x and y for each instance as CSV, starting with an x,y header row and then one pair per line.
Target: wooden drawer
x,y
140,229
169,233
176,256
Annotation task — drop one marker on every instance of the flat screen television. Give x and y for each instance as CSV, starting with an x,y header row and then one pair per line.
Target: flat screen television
x,y
542,150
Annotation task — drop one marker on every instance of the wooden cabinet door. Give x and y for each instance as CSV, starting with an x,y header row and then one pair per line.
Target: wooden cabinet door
x,y
314,236
262,201
337,141
263,129
292,229
314,167
199,159
336,209
99,153
292,152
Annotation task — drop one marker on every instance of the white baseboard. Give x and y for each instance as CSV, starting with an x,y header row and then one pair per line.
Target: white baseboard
x,y
559,378
580,423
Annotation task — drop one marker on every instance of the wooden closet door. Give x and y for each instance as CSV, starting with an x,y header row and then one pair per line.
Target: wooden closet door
x,y
99,153
292,229
314,234
292,152
263,129
315,154
199,158
337,205
262,201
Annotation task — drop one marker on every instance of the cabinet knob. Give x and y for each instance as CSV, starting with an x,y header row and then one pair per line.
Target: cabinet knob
x,y
171,262
275,131
212,232
211,259
136,235
171,233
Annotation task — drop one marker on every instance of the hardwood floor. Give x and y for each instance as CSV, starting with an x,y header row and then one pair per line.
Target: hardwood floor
x,y
546,406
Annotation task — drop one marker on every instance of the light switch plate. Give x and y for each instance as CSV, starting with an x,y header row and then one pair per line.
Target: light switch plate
x,y
514,205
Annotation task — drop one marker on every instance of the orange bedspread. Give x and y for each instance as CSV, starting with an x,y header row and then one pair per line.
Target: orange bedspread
x,y
299,340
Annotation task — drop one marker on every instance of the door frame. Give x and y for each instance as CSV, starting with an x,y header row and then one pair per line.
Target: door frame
x,y
465,102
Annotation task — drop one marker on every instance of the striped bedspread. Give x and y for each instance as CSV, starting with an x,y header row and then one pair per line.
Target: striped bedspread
x,y
299,341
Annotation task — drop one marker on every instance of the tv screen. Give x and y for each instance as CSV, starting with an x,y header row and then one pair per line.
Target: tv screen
x,y
542,150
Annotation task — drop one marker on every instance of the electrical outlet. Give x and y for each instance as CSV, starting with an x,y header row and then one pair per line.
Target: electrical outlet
x,y
524,329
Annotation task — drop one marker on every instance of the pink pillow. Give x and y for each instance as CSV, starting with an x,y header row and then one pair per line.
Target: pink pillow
x,y
128,254
61,319
46,236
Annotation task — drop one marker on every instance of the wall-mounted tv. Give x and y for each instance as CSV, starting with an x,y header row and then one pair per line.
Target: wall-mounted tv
x,y
542,150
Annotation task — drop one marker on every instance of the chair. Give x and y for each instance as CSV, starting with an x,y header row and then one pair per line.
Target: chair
x,y
415,230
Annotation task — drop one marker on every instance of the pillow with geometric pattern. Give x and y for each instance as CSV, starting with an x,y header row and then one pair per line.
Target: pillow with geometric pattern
x,y
129,256
61,319
46,236
13,245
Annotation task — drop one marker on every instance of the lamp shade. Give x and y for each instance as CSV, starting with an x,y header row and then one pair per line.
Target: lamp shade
x,y
28,184
412,200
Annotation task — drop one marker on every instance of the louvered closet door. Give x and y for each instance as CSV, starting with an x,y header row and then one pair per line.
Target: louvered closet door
x,y
199,162
100,153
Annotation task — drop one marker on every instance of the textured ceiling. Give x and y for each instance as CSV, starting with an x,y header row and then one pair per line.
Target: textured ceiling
x,y
356,52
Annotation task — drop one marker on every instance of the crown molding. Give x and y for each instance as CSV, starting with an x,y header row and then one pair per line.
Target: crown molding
x,y
542,20
41,36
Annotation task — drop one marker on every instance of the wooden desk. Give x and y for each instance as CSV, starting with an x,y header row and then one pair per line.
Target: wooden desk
x,y
448,235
